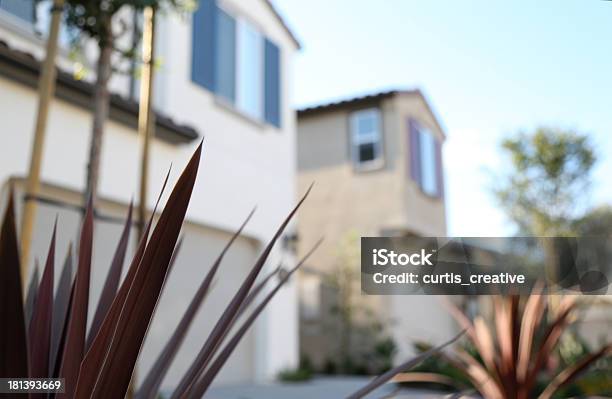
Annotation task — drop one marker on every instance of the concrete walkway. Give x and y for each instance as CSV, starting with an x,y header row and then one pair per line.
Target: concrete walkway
x,y
318,388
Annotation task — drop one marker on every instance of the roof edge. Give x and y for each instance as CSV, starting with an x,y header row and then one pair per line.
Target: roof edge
x,y
284,24
24,68
369,99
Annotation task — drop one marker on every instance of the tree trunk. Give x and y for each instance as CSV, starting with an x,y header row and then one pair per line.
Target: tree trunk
x,y
101,106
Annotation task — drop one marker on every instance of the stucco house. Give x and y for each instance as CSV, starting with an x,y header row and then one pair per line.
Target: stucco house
x,y
225,74
377,166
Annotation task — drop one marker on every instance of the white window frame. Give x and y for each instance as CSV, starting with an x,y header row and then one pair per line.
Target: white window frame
x,y
373,137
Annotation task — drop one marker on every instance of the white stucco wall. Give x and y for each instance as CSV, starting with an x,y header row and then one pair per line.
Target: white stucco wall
x,y
244,163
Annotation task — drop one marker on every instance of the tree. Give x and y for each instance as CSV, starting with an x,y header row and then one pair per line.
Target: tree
x,y
547,186
100,20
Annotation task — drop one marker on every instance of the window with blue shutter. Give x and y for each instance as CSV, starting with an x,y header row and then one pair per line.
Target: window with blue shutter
x,y
203,44
234,60
23,9
225,57
272,83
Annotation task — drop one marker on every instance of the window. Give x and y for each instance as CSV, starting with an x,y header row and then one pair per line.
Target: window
x,y
225,67
366,138
23,9
429,182
35,16
425,159
249,76
233,59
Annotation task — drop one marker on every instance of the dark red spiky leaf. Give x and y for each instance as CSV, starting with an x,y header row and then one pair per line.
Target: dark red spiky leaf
x,y
13,346
115,373
225,321
109,291
32,293
39,334
74,348
100,345
383,378
61,303
61,344
200,387
256,291
244,306
574,370
159,369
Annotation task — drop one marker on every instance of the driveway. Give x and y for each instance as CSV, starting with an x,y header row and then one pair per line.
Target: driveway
x,y
318,388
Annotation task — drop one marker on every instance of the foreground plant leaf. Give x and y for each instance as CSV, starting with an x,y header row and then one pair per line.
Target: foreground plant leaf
x,y
32,293
39,334
200,388
112,279
257,289
13,346
115,373
61,344
101,343
225,321
573,371
61,304
383,378
74,348
158,371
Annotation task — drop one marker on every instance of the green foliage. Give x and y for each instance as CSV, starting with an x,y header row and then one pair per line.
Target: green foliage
x,y
363,345
544,190
303,372
439,364
597,222
97,18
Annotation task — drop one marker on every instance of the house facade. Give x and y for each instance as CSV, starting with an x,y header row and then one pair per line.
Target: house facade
x,y
224,75
377,166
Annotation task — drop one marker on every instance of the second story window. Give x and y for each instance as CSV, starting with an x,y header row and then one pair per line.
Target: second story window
x,y
34,16
249,77
236,61
366,138
23,9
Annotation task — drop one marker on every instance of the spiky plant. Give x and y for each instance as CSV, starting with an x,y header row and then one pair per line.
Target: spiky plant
x,y
51,339
513,350
99,363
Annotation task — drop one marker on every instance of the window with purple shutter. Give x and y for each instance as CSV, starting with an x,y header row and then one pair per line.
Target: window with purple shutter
x,y
414,146
439,169
425,159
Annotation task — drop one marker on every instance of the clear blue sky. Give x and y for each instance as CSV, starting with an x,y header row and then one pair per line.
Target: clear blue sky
x,y
488,67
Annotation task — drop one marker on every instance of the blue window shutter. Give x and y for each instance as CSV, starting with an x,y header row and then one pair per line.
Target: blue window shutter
x,y
225,56
439,170
23,9
203,44
272,111
414,144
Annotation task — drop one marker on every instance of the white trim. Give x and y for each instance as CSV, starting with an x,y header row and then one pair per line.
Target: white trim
x,y
374,137
19,27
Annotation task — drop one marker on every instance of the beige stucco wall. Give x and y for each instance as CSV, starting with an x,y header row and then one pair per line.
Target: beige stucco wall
x,y
369,203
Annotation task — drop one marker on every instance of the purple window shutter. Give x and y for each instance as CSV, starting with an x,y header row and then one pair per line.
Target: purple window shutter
x,y
439,170
415,151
